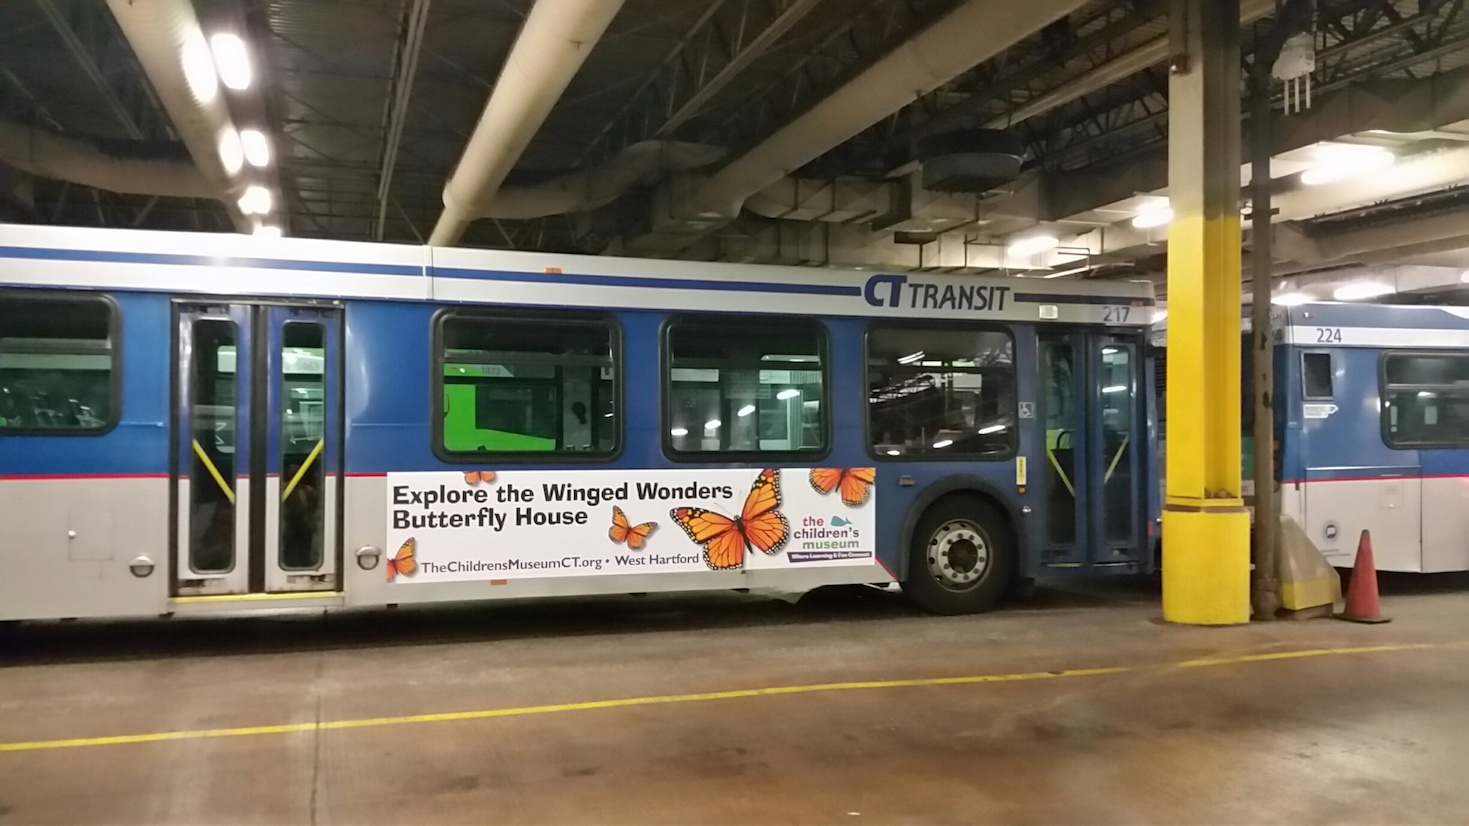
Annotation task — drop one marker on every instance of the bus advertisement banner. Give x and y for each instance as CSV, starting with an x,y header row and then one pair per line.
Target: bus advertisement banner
x,y
488,525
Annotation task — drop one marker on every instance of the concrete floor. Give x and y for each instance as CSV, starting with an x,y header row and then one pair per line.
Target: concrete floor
x,y
1336,737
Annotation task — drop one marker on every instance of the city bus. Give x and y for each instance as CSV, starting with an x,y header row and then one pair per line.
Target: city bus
x,y
1371,422
194,423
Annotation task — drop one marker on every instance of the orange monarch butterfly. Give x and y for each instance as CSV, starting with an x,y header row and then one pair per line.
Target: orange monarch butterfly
x,y
855,483
624,531
759,525
474,477
403,562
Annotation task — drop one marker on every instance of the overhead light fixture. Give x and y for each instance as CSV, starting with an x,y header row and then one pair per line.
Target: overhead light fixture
x,y
232,60
1034,245
679,431
268,231
788,393
911,357
1291,299
199,68
1338,162
1362,290
257,148
894,452
1155,216
712,424
1116,388
231,153
256,201
745,411
942,443
994,428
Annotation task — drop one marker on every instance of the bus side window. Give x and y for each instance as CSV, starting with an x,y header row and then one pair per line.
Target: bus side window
x,y
1316,375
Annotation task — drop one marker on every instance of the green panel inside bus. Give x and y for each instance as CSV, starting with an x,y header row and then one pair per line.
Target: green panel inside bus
x,y
462,432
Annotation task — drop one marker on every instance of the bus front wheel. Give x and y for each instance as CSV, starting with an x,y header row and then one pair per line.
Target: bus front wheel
x,y
962,558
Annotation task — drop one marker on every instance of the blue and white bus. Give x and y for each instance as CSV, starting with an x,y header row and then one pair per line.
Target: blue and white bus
x,y
193,423
1371,429
1372,417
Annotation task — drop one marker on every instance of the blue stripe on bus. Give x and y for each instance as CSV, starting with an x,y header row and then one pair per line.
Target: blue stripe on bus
x,y
178,259
646,282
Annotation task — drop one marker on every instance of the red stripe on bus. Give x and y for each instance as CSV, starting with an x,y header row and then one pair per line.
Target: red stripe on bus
x,y
50,477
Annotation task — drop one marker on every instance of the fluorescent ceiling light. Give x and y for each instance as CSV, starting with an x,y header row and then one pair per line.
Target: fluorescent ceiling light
x,y
1291,299
789,393
942,443
256,201
1339,162
1362,290
712,424
679,431
1116,388
1034,245
745,411
994,428
257,148
232,60
911,357
894,452
1154,217
199,68
231,153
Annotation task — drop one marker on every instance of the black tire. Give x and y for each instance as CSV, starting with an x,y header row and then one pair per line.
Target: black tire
x,y
962,559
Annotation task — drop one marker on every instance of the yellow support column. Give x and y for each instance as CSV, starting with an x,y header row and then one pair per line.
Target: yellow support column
x,y
1206,529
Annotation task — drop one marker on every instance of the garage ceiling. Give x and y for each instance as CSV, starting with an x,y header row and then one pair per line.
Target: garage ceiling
x,y
1086,96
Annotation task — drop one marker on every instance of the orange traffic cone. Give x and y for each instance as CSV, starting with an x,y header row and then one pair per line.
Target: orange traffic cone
x,y
1362,591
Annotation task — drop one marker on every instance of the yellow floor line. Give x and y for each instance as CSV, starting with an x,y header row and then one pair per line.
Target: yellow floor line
x,y
483,714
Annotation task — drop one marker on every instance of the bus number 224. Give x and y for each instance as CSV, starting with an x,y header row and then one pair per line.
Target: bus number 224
x,y
1328,335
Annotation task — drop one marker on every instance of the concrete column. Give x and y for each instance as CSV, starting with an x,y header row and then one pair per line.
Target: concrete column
x,y
1206,529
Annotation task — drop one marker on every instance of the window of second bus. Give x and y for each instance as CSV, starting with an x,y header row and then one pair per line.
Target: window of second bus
x,y
538,386
1425,399
941,392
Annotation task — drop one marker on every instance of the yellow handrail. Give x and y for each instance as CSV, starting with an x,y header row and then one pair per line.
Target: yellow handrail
x,y
295,480
214,471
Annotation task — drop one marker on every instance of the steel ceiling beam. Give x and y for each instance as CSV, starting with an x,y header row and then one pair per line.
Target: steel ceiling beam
x,y
400,91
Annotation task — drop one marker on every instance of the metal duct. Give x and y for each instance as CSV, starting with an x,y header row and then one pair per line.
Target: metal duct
x,y
166,37
967,36
582,190
49,155
552,45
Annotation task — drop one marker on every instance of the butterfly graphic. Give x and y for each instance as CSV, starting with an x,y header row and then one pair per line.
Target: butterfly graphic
x,y
855,483
725,539
636,536
403,562
474,477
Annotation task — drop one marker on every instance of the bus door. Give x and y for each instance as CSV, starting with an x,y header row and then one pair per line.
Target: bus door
x,y
1094,416
257,442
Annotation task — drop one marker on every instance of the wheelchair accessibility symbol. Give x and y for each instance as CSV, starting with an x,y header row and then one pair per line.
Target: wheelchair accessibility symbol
x,y
1027,410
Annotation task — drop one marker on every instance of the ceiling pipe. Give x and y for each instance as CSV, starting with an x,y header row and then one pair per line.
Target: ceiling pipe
x,y
585,189
50,155
170,45
552,45
974,32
